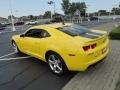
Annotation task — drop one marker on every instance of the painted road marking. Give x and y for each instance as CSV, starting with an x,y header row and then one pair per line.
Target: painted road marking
x,y
7,55
10,31
17,58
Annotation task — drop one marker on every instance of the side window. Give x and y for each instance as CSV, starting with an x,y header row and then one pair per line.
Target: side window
x,y
37,33
28,33
45,34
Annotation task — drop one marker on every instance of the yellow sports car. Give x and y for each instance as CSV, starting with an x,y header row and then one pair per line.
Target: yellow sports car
x,y
63,46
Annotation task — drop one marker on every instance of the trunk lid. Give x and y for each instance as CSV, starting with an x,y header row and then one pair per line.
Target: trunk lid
x,y
90,39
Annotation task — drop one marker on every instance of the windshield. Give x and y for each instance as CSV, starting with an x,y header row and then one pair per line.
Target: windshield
x,y
74,30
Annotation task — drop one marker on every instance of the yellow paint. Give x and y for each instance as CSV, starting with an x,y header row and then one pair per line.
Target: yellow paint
x,y
64,45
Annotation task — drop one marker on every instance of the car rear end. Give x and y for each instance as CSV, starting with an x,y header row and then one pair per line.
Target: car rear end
x,y
95,50
90,52
91,46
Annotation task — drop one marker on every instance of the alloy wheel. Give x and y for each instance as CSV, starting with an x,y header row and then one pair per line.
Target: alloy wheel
x,y
55,64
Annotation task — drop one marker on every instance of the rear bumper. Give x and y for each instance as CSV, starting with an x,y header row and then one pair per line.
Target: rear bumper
x,y
82,62
86,65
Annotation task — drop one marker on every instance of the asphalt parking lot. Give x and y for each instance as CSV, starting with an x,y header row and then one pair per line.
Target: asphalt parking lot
x,y
28,73
103,75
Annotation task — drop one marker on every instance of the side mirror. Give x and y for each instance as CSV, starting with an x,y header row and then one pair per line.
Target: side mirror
x,y
22,35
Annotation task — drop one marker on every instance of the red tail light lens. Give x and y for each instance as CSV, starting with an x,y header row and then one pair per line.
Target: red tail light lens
x,y
93,46
86,48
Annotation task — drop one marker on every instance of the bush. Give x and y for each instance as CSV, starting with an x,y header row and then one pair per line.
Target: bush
x,y
115,33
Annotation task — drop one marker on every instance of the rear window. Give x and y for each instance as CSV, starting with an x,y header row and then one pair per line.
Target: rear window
x,y
74,30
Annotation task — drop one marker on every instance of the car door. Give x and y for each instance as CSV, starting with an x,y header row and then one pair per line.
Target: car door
x,y
23,42
35,41
41,42
30,41
44,43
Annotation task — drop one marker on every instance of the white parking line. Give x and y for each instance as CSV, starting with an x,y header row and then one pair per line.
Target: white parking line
x,y
10,31
7,55
7,59
5,32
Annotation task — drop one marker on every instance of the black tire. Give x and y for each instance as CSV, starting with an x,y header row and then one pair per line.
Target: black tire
x,y
59,62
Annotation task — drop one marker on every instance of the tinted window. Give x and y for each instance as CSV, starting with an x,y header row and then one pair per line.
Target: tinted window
x,y
37,33
74,30
44,34
33,33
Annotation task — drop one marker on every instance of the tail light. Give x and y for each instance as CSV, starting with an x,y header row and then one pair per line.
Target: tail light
x,y
86,48
92,46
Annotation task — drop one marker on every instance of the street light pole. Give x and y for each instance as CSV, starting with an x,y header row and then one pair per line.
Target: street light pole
x,y
12,20
99,16
114,16
88,13
54,7
109,13
50,3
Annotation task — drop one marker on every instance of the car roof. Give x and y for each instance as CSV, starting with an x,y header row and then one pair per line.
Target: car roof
x,y
54,25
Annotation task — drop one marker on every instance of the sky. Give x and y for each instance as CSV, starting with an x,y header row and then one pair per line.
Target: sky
x,y
37,7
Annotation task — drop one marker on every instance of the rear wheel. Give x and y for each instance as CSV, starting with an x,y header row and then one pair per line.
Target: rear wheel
x,y
56,63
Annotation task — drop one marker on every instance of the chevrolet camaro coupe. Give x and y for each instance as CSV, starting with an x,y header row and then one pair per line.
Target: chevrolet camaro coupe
x,y
63,46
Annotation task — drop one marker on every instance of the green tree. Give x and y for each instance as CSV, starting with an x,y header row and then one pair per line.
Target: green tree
x,y
72,8
47,14
9,17
116,11
31,17
81,6
66,6
103,12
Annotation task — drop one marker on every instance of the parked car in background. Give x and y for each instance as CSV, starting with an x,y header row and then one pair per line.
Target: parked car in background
x,y
19,23
57,20
93,18
8,24
2,27
31,23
